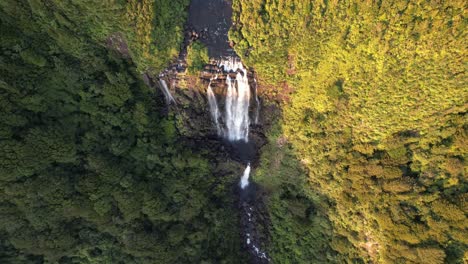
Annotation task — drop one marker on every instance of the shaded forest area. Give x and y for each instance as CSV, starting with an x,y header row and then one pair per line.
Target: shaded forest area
x,y
90,170
374,108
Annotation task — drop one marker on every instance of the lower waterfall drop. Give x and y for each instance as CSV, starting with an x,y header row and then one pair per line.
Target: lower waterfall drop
x,y
244,182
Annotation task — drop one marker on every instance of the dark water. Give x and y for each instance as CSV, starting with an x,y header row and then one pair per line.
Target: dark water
x,y
211,19
242,151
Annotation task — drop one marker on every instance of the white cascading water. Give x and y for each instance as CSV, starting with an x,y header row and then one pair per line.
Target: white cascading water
x,y
166,92
214,110
236,116
245,177
237,107
237,101
236,120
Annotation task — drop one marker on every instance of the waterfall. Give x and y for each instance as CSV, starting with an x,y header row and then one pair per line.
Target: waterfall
x,y
233,125
236,116
214,110
236,108
245,177
237,101
166,92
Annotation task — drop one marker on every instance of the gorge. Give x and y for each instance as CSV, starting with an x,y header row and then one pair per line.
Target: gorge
x,y
233,131
232,107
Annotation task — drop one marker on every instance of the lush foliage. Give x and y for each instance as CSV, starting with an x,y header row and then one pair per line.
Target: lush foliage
x,y
378,117
155,30
197,57
90,171
300,231
150,32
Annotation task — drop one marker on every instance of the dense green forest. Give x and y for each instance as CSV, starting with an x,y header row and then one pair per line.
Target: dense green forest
x,y
90,171
374,108
365,164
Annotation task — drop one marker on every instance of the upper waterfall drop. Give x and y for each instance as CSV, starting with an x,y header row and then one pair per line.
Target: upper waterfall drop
x,y
237,101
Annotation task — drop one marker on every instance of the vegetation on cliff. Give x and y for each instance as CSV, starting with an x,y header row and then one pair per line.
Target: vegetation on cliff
x,y
377,116
90,170
148,31
197,57
300,231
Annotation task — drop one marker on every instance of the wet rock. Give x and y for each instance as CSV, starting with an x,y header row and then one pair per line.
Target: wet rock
x,y
254,223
